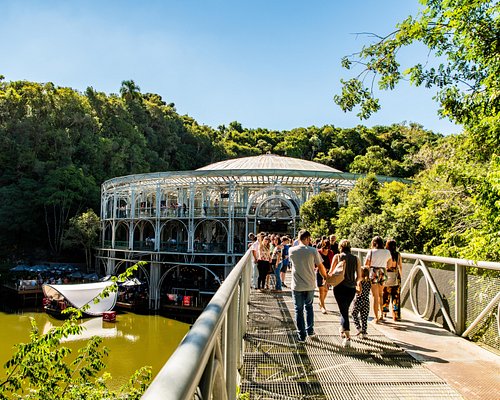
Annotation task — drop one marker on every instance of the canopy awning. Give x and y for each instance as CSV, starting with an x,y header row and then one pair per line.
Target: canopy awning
x,y
81,294
131,282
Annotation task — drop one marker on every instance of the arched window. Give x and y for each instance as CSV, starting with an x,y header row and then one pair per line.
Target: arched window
x,y
174,236
210,236
275,208
144,236
121,236
288,198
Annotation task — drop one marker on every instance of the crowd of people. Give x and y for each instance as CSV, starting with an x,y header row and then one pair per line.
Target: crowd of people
x,y
313,262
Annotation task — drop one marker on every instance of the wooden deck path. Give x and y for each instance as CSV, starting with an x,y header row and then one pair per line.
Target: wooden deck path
x,y
276,366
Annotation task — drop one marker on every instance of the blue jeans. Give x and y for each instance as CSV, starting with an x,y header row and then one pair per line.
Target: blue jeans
x,y
277,271
301,301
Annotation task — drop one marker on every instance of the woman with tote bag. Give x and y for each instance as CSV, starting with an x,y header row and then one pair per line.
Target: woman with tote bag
x,y
344,292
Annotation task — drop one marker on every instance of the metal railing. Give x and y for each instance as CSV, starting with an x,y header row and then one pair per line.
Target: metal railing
x,y
206,362
460,283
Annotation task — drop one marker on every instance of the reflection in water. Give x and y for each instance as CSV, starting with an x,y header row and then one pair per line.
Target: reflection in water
x,y
95,327
134,340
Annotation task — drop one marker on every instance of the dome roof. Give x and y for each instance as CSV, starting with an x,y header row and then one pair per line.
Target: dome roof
x,y
268,162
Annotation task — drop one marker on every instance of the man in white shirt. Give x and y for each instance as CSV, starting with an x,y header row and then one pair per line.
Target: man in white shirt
x,y
304,259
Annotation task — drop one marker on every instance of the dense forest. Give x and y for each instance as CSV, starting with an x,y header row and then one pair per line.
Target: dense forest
x,y
453,206
58,145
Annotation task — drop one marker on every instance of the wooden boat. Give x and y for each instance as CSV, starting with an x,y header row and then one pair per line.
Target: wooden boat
x,y
131,296
59,297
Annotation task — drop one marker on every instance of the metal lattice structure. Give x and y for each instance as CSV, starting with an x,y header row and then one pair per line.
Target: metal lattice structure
x,y
203,217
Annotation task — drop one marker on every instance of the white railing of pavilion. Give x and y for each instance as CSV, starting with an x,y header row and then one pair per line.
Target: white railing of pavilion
x,y
206,363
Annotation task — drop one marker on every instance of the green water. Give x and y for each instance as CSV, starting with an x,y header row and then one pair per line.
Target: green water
x,y
134,340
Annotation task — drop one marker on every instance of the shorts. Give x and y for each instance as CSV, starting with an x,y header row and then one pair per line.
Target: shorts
x,y
320,281
377,275
284,266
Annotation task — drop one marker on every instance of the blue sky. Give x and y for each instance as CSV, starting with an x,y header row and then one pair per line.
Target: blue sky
x,y
270,64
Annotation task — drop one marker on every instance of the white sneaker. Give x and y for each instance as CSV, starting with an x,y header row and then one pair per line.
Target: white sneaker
x,y
346,342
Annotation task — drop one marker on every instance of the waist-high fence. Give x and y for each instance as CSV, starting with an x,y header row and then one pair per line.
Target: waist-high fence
x,y
461,295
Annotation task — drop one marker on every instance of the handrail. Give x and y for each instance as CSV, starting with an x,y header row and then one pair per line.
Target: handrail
x,y
195,366
460,285
205,364
495,266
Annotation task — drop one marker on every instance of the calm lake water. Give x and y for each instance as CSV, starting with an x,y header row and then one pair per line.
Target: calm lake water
x,y
134,340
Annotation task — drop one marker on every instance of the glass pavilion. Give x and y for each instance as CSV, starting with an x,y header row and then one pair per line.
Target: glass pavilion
x,y
200,219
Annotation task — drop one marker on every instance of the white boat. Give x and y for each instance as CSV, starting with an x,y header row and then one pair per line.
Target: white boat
x,y
58,297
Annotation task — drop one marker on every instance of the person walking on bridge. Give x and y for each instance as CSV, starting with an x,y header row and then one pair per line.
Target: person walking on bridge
x,y
378,260
263,262
254,246
327,256
392,286
361,308
345,291
304,259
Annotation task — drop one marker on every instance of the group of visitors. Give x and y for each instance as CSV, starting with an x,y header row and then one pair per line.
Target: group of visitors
x,y
312,264
270,258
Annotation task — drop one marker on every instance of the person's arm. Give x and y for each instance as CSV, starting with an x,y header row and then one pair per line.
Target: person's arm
x,y
322,270
400,264
359,277
255,255
334,264
388,263
318,264
368,259
278,254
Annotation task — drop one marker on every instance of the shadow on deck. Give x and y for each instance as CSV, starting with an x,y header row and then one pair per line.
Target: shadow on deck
x,y
276,366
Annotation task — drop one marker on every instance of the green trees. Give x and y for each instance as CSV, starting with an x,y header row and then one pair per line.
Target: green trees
x,y
63,193
484,238
454,201
356,221
84,231
463,37
318,214
57,146
375,160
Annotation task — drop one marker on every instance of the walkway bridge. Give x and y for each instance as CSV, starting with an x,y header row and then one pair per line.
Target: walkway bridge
x,y
244,344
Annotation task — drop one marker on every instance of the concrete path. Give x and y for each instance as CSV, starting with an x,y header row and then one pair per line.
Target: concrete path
x,y
472,370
